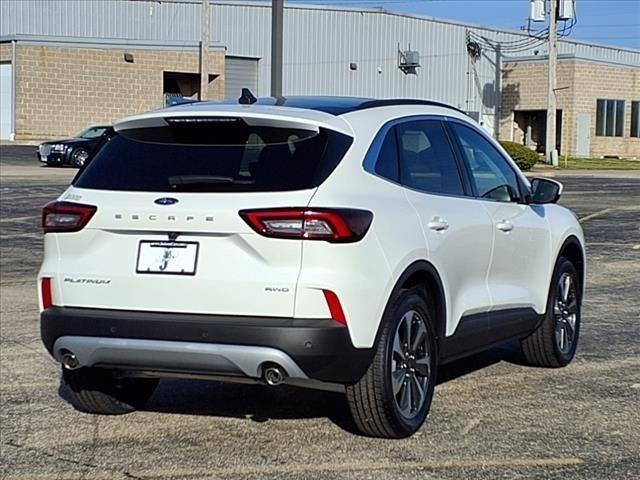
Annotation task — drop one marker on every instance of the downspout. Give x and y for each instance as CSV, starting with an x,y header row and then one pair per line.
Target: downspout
x,y
498,93
12,135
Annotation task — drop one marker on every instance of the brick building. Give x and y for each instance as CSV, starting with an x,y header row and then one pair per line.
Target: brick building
x,y
61,87
598,106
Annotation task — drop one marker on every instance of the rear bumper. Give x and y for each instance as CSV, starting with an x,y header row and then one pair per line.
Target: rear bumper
x,y
321,349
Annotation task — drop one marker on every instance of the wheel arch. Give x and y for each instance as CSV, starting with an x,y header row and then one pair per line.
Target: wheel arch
x,y
424,275
573,251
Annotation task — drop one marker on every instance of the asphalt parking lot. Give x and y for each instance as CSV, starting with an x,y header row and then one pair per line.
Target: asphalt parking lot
x,y
492,417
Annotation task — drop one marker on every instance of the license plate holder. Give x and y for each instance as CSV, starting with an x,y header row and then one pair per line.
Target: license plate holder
x,y
167,257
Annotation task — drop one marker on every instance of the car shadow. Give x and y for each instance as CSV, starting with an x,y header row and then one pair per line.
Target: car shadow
x,y
509,352
259,403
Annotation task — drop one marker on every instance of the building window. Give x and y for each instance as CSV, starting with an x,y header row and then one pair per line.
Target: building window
x,y
610,118
635,119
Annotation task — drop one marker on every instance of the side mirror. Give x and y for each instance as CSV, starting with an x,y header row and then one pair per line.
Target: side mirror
x,y
544,190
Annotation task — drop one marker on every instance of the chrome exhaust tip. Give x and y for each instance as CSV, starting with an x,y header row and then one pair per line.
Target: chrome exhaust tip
x,y
274,375
70,361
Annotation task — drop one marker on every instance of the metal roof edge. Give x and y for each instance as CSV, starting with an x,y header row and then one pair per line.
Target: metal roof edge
x,y
87,42
569,56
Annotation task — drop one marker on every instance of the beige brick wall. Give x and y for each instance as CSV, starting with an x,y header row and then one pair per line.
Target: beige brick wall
x,y
5,52
605,82
525,88
61,90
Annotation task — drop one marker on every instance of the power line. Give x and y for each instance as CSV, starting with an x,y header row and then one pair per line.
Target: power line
x,y
616,38
426,1
611,25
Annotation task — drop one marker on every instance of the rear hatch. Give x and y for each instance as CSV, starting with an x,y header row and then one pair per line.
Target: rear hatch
x,y
167,234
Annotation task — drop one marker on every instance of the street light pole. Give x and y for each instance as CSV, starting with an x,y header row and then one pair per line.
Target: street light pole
x,y
277,13
550,144
204,50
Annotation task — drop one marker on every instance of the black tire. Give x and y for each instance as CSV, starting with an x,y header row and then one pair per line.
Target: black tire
x,y
543,348
372,402
79,157
97,390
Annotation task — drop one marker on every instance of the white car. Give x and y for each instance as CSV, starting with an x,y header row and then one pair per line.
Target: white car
x,y
344,244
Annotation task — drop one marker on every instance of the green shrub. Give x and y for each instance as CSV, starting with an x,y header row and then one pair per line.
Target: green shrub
x,y
523,156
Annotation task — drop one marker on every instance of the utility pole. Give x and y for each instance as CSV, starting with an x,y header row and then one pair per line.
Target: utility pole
x,y
204,50
550,144
277,14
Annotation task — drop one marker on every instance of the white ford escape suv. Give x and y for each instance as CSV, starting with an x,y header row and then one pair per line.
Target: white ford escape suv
x,y
343,244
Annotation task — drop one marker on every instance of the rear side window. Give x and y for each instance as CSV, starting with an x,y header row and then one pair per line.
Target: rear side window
x,y
219,155
427,162
387,163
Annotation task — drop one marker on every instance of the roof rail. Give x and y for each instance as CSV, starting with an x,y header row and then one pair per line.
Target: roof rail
x,y
334,105
388,102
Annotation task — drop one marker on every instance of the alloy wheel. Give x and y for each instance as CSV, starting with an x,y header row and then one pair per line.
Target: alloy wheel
x,y
80,157
410,364
565,312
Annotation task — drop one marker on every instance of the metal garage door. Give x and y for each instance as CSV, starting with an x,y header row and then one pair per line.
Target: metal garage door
x,y
240,73
6,95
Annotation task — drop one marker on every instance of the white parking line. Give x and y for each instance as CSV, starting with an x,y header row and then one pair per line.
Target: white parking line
x,y
18,219
599,213
595,214
21,235
366,466
172,472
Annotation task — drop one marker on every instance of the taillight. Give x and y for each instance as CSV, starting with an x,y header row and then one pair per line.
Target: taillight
x,y
336,225
45,293
66,216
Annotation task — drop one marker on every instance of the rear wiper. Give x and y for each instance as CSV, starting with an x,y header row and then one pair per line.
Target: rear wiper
x,y
177,180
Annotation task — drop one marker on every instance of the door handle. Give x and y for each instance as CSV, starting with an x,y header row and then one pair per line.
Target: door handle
x,y
505,226
438,224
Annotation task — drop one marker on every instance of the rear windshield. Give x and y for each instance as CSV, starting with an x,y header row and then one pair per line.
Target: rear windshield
x,y
221,155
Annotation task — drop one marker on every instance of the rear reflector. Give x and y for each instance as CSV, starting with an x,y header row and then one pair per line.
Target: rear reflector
x,y
336,225
335,308
66,216
45,292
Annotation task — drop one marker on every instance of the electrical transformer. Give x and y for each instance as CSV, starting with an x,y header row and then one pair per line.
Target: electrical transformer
x,y
537,10
566,9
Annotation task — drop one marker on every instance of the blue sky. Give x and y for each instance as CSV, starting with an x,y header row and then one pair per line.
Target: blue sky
x,y
611,22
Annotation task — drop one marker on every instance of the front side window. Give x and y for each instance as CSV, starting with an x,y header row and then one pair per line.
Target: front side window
x,y
491,174
427,162
610,118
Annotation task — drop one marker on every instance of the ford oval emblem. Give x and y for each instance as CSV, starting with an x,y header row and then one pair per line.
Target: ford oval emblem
x,y
165,201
